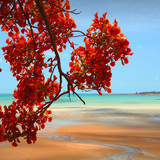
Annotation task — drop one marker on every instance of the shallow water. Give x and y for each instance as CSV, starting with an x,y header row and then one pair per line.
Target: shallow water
x,y
105,101
94,100
126,155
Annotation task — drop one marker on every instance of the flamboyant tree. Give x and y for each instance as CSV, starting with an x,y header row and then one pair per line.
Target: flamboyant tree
x,y
35,26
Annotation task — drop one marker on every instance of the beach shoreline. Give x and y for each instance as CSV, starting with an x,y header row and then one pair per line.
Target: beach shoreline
x,y
94,133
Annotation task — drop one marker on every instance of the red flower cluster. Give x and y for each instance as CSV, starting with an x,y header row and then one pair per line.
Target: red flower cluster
x,y
17,121
104,45
25,53
34,27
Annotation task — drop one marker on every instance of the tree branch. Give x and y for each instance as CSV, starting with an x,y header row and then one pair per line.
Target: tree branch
x,y
2,4
49,29
28,23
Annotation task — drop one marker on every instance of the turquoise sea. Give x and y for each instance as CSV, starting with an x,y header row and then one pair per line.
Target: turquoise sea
x,y
95,100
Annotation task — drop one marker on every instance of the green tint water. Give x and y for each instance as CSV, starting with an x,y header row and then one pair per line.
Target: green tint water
x,y
94,100
6,99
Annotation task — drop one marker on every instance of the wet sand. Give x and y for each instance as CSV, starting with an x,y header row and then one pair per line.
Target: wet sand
x,y
145,139
49,149
105,134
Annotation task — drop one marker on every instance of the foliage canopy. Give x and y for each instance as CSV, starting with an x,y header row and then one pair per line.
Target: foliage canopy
x,y
35,26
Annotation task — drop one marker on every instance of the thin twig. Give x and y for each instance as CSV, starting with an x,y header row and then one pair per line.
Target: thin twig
x,y
28,23
2,5
79,98
62,9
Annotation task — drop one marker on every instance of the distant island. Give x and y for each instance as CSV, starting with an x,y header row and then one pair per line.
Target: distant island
x,y
149,93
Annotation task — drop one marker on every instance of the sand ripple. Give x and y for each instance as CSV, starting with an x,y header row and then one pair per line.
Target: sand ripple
x,y
125,155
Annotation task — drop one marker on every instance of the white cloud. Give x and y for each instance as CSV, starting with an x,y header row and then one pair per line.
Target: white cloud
x,y
132,15
139,46
156,78
49,53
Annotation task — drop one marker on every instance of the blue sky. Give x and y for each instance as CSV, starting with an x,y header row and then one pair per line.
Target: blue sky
x,y
139,21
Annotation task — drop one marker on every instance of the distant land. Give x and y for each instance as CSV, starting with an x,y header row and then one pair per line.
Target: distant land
x,y
149,93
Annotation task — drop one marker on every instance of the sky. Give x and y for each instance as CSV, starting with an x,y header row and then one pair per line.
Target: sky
x,y
139,21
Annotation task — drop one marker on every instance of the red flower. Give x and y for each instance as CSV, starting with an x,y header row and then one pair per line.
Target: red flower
x,y
50,119
60,49
126,61
72,45
112,64
100,93
14,144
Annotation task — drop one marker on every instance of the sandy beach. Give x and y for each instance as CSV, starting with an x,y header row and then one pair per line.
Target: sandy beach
x,y
48,149
145,139
93,134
